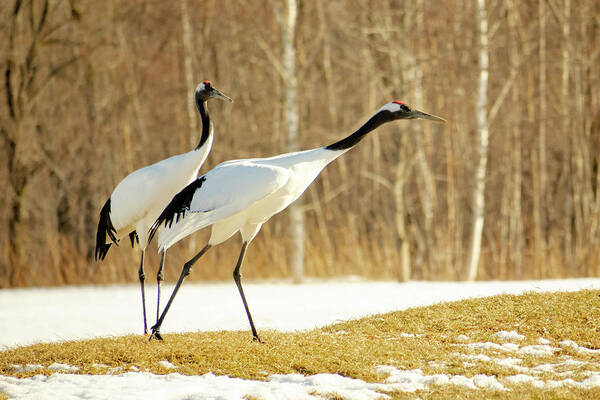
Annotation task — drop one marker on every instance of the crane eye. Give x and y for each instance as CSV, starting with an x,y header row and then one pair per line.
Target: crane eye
x,y
404,107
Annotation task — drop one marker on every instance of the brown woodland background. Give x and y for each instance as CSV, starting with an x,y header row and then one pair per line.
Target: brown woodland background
x,y
92,90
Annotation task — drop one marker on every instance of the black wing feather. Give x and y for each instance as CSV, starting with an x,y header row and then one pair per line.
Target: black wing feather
x,y
178,206
133,237
105,227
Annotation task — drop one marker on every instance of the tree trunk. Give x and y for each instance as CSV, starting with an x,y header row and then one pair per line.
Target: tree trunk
x,y
297,223
478,199
426,184
515,226
565,128
540,197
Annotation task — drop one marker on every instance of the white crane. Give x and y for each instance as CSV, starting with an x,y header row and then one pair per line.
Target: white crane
x,y
140,197
241,195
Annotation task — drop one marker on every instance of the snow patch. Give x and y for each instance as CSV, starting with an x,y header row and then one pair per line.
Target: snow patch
x,y
149,386
508,336
538,350
512,363
71,313
26,368
405,335
505,362
478,357
487,382
553,367
493,346
413,380
167,365
589,383
58,367
462,338
300,386
80,312
410,335
293,386
524,379
569,344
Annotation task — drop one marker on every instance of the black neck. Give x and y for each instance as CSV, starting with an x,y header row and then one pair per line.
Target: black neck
x,y
352,140
206,122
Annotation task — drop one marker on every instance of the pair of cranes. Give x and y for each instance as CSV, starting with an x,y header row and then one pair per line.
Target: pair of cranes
x,y
235,196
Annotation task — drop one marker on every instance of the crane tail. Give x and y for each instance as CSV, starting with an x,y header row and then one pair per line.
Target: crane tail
x,y
105,228
177,208
133,238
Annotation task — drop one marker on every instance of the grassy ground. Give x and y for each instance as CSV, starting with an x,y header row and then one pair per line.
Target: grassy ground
x,y
356,348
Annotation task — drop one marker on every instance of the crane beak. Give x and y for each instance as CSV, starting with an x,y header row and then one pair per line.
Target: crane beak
x,y
423,115
218,95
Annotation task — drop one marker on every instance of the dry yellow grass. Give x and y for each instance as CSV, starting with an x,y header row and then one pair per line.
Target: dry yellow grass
x,y
356,348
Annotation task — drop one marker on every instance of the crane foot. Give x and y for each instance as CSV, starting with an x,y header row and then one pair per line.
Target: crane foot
x,y
155,335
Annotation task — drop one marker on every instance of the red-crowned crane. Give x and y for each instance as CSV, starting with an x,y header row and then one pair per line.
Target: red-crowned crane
x,y
140,197
241,195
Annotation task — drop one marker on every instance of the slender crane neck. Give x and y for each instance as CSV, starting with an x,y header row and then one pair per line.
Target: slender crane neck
x,y
207,125
352,140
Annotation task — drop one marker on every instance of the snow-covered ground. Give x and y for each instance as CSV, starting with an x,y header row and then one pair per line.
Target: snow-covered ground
x,y
53,314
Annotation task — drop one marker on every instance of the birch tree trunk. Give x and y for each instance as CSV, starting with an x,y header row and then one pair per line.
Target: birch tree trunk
x,y
515,225
540,216
426,184
297,224
568,215
401,65
483,132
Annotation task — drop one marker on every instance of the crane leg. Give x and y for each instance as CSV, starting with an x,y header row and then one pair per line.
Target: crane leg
x,y
184,272
159,278
142,277
237,277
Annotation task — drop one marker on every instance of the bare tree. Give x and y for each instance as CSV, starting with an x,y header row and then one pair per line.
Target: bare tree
x,y
478,196
426,183
541,199
297,220
87,99
287,69
26,79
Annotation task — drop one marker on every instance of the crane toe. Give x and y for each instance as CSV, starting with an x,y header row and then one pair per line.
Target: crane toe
x,y
155,335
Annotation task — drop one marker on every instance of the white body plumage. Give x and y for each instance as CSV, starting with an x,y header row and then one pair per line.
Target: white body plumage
x,y
141,196
241,195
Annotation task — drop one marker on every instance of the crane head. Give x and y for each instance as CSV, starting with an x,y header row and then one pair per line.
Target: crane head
x,y
400,110
206,90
